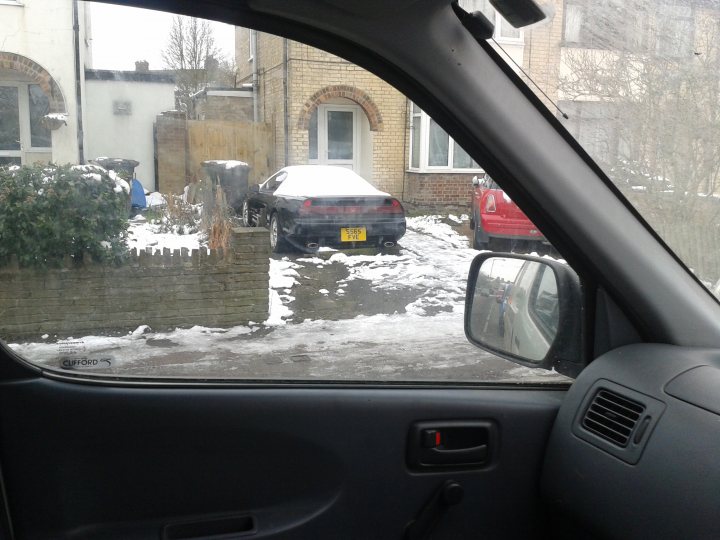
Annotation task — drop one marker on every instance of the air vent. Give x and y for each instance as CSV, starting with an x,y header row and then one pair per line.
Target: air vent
x,y
612,417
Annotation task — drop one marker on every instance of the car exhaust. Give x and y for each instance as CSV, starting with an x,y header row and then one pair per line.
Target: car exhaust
x,y
388,244
311,245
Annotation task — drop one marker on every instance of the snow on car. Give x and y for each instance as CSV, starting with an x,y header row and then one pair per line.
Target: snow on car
x,y
308,206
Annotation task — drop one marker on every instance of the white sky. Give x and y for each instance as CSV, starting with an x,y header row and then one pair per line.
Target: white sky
x,y
122,35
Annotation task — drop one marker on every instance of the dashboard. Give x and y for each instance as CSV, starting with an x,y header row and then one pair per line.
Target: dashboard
x,y
640,459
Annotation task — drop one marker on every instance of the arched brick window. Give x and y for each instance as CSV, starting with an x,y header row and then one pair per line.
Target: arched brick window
x,y
342,91
37,75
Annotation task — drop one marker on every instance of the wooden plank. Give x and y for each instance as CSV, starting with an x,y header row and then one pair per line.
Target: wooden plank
x,y
243,141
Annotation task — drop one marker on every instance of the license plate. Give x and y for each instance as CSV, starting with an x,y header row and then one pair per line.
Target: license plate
x,y
353,234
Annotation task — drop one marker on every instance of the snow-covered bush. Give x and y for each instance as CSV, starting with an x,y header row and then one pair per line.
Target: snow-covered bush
x,y
177,216
48,212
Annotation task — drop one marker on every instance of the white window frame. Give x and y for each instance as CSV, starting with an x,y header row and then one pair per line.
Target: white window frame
x,y
498,21
425,149
26,148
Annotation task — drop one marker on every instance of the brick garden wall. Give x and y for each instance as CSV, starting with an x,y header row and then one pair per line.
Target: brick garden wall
x,y
438,189
226,108
163,290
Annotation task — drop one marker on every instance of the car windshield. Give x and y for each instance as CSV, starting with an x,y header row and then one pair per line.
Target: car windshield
x,y
636,82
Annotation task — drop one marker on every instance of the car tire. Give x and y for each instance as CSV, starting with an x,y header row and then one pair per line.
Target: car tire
x,y
246,216
278,243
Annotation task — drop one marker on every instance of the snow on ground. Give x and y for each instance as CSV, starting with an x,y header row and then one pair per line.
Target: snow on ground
x,y
423,339
143,235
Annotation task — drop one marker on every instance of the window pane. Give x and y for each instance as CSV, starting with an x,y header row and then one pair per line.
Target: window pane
x,y
340,134
439,146
9,118
638,81
675,36
415,136
6,161
573,22
461,159
39,107
313,135
508,31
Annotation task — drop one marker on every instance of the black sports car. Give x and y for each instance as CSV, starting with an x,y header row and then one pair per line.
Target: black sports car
x,y
307,206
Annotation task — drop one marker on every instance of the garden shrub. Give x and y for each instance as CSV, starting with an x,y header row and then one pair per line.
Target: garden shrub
x,y
48,212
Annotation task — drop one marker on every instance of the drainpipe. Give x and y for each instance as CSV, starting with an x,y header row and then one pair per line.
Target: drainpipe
x,y
285,92
254,53
406,153
78,82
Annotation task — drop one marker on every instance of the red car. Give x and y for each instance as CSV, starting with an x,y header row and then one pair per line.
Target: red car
x,y
497,221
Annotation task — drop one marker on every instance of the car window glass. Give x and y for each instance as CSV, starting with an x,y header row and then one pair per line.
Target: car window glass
x,y
635,82
134,240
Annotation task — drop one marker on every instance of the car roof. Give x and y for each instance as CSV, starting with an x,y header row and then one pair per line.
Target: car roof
x,y
325,181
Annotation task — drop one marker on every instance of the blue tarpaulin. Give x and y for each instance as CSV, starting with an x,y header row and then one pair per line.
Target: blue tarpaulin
x,y
137,195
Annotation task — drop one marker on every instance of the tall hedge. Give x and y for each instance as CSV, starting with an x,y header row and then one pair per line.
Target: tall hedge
x,y
48,212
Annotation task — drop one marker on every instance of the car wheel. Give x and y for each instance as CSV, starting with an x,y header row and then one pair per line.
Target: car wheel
x,y
277,241
246,218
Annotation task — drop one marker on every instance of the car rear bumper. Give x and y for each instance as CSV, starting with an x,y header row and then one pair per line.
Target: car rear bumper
x,y
326,231
511,229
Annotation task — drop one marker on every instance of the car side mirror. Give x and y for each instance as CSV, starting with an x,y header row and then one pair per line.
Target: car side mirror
x,y
533,315
254,188
475,181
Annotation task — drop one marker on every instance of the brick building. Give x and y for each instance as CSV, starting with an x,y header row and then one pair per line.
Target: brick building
x,y
326,110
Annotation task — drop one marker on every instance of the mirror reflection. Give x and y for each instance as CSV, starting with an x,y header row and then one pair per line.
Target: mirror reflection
x,y
515,307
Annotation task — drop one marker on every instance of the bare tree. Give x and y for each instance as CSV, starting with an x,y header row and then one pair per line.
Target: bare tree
x,y
192,54
646,107
644,89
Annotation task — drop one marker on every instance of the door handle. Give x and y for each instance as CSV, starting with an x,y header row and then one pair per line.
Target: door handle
x,y
456,444
460,456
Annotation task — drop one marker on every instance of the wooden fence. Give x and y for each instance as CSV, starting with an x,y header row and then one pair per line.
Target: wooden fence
x,y
243,141
182,145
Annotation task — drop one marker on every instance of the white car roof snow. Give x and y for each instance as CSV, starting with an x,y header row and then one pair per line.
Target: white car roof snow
x,y
324,181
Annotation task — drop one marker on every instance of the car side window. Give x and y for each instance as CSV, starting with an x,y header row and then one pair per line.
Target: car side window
x,y
543,302
188,260
273,182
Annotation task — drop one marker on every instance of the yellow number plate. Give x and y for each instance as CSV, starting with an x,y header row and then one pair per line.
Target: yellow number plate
x,y
353,234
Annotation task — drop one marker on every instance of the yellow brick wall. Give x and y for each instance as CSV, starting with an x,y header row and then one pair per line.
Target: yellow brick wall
x,y
309,71
312,70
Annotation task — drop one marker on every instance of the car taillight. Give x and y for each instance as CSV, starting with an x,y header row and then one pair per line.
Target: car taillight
x,y
490,203
395,207
306,207
326,208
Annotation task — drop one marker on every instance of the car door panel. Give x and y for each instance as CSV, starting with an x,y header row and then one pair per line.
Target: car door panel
x,y
125,462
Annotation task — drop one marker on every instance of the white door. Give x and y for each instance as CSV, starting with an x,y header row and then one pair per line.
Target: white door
x,y
337,139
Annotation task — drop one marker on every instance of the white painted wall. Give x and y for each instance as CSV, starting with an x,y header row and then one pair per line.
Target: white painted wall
x,y
125,136
42,31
